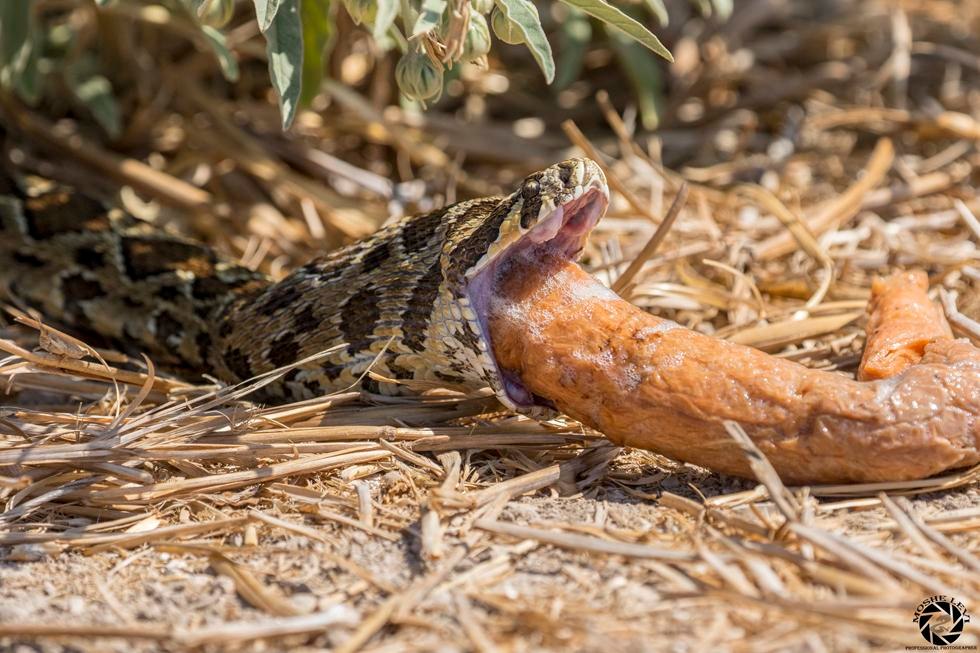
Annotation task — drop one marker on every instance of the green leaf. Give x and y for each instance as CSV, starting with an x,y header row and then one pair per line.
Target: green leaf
x,y
28,80
429,17
657,8
387,12
525,15
266,12
15,36
19,46
195,6
643,71
317,34
616,19
574,37
95,92
227,61
723,8
704,7
215,39
284,45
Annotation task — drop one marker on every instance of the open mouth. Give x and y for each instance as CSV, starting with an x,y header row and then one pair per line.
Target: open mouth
x,y
561,234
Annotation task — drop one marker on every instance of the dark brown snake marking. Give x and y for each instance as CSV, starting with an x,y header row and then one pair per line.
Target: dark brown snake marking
x,y
398,299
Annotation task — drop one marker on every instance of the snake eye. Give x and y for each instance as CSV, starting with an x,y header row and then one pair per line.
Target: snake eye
x,y
530,189
531,205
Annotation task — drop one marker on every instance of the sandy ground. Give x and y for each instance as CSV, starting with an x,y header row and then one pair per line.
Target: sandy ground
x,y
483,591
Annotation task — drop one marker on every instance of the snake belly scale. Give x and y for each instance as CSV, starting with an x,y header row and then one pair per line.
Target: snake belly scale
x,y
409,301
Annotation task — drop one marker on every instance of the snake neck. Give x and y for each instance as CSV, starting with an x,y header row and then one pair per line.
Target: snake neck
x,y
385,313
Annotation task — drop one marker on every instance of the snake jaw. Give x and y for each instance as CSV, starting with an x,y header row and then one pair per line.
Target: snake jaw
x,y
562,232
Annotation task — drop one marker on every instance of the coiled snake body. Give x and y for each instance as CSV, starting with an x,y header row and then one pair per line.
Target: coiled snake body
x,y
409,301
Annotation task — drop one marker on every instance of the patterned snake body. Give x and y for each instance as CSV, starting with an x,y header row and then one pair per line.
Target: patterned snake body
x,y
408,302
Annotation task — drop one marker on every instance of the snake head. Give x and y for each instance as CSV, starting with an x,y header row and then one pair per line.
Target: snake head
x,y
552,210
558,205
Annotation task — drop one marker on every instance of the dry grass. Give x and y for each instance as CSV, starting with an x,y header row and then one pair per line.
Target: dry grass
x,y
143,512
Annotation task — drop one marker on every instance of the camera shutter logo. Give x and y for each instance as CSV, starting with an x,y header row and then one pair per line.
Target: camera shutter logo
x,y
941,619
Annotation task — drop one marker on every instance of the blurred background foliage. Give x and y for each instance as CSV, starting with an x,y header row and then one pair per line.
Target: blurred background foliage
x,y
47,47
396,107
168,81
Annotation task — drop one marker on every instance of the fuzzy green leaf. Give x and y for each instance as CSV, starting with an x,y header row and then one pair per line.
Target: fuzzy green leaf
x,y
227,61
643,71
266,12
27,80
574,37
723,8
284,45
317,34
525,15
658,9
95,92
15,35
195,6
19,45
616,19
429,17
387,12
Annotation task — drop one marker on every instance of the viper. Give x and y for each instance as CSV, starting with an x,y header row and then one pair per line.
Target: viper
x,y
410,302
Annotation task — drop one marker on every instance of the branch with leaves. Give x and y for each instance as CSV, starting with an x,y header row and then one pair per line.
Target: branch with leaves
x,y
431,35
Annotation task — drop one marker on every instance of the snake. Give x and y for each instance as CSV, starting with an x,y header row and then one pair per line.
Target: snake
x,y
408,303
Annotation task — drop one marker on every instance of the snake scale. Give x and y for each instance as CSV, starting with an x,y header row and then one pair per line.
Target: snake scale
x,y
408,302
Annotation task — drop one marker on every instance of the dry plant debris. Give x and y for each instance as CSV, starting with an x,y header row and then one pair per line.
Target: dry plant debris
x,y
145,512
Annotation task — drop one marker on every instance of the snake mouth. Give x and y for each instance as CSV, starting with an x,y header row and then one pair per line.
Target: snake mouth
x,y
562,234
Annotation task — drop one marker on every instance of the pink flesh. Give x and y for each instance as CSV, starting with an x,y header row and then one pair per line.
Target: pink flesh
x,y
563,233
549,227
